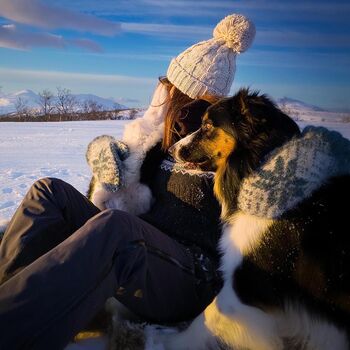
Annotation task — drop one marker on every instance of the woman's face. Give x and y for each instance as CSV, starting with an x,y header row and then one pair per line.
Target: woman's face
x,y
190,117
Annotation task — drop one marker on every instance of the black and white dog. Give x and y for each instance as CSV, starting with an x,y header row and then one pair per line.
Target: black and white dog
x,y
286,235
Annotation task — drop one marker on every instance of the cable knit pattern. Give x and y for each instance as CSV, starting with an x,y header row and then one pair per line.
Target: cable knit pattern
x,y
294,171
208,67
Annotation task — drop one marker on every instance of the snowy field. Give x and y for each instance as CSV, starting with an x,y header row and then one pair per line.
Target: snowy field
x,y
29,151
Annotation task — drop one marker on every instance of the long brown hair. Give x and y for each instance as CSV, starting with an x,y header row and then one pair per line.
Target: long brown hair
x,y
177,100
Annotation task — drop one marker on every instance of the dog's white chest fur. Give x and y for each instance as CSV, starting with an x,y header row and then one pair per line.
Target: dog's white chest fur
x,y
240,235
245,326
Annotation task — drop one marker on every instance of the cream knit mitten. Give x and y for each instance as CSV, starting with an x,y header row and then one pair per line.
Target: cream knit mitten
x,y
105,156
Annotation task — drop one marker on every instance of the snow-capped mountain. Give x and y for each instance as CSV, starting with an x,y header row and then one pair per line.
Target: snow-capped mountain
x,y
107,104
298,105
8,102
301,111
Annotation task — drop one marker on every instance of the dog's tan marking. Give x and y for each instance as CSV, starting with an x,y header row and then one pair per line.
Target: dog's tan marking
x,y
219,146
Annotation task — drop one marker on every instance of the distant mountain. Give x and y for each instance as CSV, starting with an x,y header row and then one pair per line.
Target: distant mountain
x,y
301,111
8,101
299,105
107,104
30,98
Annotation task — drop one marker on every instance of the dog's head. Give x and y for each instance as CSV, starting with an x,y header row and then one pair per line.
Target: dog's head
x,y
247,124
236,133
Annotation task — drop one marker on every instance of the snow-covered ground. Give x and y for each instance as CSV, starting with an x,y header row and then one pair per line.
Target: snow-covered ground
x,y
29,151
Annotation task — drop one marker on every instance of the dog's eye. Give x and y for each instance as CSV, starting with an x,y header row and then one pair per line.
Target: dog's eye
x,y
207,126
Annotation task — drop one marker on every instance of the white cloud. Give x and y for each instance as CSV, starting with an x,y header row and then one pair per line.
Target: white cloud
x,y
142,56
39,14
61,76
13,37
176,30
275,38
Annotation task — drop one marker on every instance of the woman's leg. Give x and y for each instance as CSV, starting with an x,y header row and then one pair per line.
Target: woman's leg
x,y
49,213
114,253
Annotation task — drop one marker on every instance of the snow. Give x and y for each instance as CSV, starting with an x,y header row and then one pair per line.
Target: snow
x,y
29,151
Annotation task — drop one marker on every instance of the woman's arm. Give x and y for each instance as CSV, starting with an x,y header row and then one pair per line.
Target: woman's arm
x,y
141,135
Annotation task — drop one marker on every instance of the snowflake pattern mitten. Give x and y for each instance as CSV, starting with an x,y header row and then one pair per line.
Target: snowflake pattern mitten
x,y
105,156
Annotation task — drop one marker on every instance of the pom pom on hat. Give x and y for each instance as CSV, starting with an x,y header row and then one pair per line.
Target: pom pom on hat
x,y
237,31
208,67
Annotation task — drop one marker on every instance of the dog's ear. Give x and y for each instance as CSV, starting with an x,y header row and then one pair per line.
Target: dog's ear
x,y
243,103
245,109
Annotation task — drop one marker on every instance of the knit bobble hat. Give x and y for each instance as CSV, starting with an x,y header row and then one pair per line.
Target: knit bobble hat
x,y
209,66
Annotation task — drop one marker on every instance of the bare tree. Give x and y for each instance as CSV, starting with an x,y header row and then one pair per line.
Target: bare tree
x,y
21,106
46,99
66,102
91,106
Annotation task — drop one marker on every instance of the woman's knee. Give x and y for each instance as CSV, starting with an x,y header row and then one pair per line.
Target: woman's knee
x,y
121,224
115,217
47,184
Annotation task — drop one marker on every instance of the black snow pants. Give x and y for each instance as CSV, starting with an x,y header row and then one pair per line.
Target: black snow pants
x,y
61,258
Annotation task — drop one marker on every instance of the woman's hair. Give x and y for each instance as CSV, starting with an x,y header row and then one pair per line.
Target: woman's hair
x,y
177,100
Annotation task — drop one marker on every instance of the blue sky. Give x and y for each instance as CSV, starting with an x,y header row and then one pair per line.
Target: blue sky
x,y
118,48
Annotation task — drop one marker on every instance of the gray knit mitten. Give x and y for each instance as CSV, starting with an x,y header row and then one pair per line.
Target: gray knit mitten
x,y
105,156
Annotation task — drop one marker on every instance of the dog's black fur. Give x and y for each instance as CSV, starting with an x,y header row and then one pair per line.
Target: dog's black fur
x,y
304,257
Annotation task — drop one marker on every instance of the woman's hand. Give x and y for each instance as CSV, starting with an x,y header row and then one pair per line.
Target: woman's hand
x,y
105,156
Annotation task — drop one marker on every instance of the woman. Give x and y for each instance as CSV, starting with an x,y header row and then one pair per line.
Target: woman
x,y
150,237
